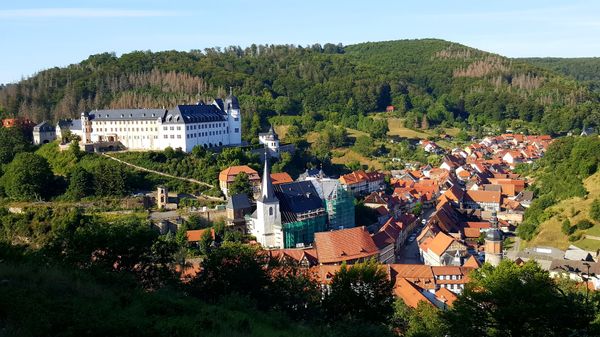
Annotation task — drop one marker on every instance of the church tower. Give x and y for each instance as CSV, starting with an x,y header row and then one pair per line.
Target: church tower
x,y
493,242
267,224
234,119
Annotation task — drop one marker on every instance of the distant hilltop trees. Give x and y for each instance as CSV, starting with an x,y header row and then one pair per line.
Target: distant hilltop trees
x,y
440,81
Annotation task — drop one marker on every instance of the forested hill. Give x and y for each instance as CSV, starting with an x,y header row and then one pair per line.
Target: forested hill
x,y
447,82
583,69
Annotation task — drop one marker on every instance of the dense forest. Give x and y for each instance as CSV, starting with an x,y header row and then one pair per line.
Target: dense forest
x,y
583,69
438,81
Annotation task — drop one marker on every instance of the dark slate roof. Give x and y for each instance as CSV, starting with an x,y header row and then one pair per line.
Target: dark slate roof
x,y
196,113
493,234
44,126
70,124
127,114
311,173
296,198
232,102
272,134
219,103
238,201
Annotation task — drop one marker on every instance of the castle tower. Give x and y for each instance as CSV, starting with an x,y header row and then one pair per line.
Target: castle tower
x,y
493,242
267,224
270,141
234,118
162,197
86,128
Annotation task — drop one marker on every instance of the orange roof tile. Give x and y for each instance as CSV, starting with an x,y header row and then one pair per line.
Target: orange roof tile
x,y
344,245
446,296
229,173
440,243
324,273
281,178
196,234
472,262
484,196
471,233
409,293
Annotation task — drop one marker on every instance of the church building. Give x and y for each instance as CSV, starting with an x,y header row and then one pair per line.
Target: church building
x,y
287,215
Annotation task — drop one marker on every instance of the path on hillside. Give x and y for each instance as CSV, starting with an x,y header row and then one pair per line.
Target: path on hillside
x,y
166,175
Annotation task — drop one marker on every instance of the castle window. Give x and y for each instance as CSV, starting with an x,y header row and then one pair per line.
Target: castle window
x,y
270,210
237,130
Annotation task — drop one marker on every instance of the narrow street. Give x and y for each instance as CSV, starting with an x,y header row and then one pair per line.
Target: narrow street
x,y
410,251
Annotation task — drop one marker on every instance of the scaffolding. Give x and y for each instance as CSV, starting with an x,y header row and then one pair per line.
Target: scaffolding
x,y
302,233
339,206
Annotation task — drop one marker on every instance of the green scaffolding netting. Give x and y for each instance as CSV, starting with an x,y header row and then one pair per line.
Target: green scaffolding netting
x,y
340,209
303,231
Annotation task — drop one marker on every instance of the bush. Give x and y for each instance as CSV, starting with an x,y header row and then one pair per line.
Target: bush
x,y
566,227
584,224
595,210
575,237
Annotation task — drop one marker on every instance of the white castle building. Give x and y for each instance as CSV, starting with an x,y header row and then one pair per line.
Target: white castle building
x,y
184,126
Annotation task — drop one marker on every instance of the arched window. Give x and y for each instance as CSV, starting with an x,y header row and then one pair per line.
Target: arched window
x,y
270,210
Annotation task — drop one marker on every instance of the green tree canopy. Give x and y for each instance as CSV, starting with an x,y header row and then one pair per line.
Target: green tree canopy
x,y
512,300
364,145
241,185
361,291
80,184
12,141
28,177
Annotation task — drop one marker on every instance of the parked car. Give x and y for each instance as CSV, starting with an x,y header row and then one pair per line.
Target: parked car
x,y
424,221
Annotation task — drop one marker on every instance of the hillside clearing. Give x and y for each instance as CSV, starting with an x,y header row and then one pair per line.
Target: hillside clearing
x,y
574,209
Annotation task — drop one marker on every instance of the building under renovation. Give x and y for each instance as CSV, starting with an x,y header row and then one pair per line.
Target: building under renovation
x,y
338,203
288,215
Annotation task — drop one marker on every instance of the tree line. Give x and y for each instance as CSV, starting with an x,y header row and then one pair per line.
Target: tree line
x,y
432,81
122,276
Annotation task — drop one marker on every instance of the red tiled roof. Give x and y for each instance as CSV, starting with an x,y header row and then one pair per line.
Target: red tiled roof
x,y
484,196
324,273
440,243
345,244
229,173
409,293
472,262
281,178
196,234
446,296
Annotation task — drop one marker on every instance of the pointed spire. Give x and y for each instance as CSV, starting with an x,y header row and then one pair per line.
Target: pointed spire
x,y
267,193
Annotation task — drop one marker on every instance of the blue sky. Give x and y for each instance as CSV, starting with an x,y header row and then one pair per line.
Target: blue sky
x,y
39,34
